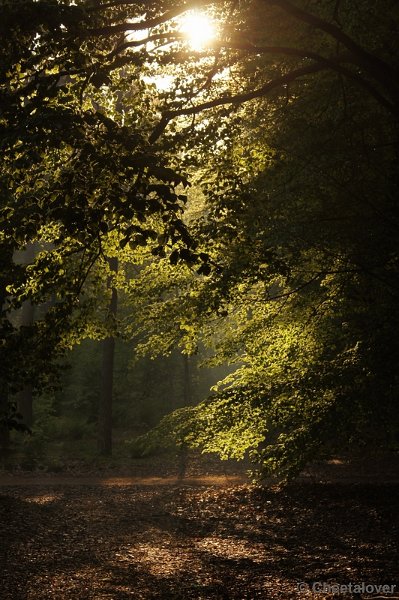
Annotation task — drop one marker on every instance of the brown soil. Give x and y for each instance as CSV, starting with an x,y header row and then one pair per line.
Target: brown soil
x,y
202,537
29,479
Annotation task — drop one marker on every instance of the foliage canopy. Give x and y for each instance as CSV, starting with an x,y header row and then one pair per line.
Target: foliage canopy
x,y
288,123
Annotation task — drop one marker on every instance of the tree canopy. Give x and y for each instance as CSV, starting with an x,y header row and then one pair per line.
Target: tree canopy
x,y
285,257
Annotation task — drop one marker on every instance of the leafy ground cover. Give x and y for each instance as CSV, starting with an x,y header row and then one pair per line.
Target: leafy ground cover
x,y
78,539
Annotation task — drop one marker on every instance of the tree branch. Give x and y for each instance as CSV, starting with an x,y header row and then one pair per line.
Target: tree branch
x,y
322,64
137,43
150,23
236,99
335,64
376,67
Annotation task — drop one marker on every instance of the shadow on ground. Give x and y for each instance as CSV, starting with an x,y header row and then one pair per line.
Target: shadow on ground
x,y
176,542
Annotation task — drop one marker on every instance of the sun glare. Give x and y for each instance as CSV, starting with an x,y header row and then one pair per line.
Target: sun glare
x,y
199,30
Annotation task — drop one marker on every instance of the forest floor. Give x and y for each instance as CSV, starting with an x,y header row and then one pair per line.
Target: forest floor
x,y
205,534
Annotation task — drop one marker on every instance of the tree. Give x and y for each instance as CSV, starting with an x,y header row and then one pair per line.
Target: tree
x,y
107,374
25,399
286,183
71,174
302,220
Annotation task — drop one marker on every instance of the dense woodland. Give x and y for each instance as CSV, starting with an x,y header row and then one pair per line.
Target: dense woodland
x,y
199,239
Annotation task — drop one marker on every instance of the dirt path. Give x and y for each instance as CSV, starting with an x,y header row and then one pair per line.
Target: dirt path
x,y
114,539
7,480
207,536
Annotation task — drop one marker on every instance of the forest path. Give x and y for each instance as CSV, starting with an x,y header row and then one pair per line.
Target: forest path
x,y
207,536
110,539
382,468
52,479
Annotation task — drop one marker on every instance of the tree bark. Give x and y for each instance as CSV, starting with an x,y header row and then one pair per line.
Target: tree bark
x,y
183,454
6,260
107,376
187,381
4,430
25,397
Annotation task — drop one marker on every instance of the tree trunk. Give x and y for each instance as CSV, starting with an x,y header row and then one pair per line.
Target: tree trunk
x,y
107,376
187,381
183,454
25,397
25,405
6,260
4,430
